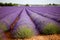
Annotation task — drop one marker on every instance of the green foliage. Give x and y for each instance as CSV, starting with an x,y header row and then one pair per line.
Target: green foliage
x,y
49,4
8,4
1,4
3,26
26,5
24,32
51,29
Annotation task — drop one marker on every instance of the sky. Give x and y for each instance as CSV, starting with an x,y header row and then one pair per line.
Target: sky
x,y
32,1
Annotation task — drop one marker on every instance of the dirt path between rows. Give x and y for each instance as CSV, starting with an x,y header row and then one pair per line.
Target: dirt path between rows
x,y
8,34
45,37
41,37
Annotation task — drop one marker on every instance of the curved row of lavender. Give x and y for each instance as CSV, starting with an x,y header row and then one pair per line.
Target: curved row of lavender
x,y
39,20
34,18
24,21
4,11
52,12
8,15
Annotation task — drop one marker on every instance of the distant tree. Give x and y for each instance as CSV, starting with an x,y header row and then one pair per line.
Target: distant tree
x,y
5,4
54,4
15,4
1,4
10,4
49,4
26,5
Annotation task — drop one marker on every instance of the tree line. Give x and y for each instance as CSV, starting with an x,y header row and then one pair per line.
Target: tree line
x,y
14,4
7,4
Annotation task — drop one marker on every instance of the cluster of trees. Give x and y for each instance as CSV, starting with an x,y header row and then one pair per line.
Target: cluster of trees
x,y
53,4
7,4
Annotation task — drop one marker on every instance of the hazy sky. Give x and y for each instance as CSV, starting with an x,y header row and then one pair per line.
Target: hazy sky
x,y
32,1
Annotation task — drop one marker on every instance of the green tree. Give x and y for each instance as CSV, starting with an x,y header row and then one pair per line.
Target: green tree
x,y
26,5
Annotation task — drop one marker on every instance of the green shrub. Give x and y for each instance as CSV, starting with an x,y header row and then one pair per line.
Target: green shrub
x,y
3,26
51,29
24,32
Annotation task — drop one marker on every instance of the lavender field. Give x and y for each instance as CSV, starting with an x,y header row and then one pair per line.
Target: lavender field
x,y
42,20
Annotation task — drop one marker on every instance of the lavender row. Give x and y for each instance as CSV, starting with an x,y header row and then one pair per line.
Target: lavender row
x,y
39,20
9,19
24,21
55,9
48,10
56,18
4,12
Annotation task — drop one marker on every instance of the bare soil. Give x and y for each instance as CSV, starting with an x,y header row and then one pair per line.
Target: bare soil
x,y
40,37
